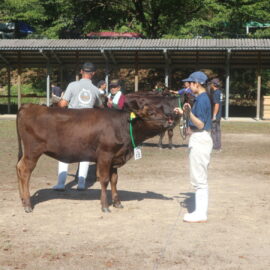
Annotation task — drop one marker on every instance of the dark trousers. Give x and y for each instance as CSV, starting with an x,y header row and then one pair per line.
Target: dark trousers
x,y
216,134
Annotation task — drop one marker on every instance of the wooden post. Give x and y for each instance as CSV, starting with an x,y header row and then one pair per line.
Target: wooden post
x,y
227,84
19,86
9,88
136,81
259,88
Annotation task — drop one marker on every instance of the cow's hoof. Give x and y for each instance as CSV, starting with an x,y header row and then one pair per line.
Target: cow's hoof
x,y
171,147
118,205
105,210
160,148
28,209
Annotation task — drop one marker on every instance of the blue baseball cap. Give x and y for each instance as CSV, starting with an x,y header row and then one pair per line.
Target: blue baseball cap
x,y
198,76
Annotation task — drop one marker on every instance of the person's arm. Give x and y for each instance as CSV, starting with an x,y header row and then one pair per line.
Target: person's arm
x,y
216,100
215,111
195,120
121,102
66,97
174,92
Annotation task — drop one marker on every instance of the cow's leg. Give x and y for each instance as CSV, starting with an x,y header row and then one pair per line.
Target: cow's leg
x,y
115,198
24,169
103,173
170,136
161,136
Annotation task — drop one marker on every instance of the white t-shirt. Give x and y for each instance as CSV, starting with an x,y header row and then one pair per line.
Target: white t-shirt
x,y
82,94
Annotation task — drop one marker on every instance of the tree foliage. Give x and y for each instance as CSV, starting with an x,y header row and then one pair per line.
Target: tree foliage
x,y
152,18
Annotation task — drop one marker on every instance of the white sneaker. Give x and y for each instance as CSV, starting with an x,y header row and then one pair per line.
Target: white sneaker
x,y
195,217
81,185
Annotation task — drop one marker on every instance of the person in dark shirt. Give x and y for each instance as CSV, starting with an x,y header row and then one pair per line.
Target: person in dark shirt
x,y
200,145
56,90
216,96
56,93
185,90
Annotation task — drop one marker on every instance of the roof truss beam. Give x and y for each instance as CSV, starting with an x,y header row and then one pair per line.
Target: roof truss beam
x,y
4,59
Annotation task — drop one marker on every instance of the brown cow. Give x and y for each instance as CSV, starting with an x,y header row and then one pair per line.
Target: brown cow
x,y
167,104
70,135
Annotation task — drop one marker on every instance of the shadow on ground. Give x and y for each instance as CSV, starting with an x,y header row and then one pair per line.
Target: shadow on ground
x,y
164,146
187,200
71,193
44,195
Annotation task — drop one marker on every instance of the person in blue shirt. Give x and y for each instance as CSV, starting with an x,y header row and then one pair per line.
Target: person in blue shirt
x,y
200,144
185,90
216,96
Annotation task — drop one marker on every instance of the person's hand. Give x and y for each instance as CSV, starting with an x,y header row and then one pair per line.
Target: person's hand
x,y
178,111
110,101
186,107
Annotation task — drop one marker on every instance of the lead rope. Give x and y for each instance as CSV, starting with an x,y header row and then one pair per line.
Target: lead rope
x,y
132,116
179,102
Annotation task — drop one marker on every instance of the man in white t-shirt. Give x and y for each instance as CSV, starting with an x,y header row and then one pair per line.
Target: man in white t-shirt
x,y
79,95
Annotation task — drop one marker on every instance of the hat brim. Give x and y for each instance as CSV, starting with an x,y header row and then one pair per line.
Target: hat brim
x,y
88,70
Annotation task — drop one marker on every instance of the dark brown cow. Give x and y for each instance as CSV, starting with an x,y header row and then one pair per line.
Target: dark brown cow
x,y
70,135
167,104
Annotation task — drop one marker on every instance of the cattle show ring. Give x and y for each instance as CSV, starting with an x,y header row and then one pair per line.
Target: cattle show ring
x,y
129,215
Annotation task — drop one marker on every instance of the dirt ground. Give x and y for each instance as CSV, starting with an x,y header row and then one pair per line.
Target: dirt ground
x,y
67,230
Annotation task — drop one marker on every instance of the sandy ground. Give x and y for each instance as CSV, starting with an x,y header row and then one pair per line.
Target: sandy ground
x,y
67,230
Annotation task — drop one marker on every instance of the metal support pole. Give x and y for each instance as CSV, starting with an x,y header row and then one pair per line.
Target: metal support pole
x,y
77,67
19,86
9,88
136,80
259,88
167,75
107,77
227,84
167,67
48,85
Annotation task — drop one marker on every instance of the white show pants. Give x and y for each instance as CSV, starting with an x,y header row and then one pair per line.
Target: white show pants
x,y
63,169
200,148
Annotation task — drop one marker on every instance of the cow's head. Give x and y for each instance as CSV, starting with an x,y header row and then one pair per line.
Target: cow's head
x,y
154,118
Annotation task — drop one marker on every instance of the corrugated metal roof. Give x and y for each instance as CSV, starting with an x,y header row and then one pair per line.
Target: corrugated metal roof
x,y
134,44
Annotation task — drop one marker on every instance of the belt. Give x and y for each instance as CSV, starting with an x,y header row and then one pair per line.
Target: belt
x,y
198,130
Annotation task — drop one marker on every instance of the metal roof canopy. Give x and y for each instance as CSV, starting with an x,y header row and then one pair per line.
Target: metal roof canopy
x,y
148,52
139,53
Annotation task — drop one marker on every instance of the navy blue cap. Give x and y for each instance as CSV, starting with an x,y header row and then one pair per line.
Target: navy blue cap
x,y
215,82
88,67
198,76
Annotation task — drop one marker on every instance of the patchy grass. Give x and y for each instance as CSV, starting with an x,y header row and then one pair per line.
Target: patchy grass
x,y
243,127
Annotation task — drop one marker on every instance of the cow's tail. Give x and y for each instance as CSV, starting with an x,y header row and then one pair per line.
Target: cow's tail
x,y
20,151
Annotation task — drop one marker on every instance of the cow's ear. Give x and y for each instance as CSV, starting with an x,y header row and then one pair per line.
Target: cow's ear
x,y
143,112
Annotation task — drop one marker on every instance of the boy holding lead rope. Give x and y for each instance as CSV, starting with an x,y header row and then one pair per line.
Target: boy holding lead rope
x,y
200,145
